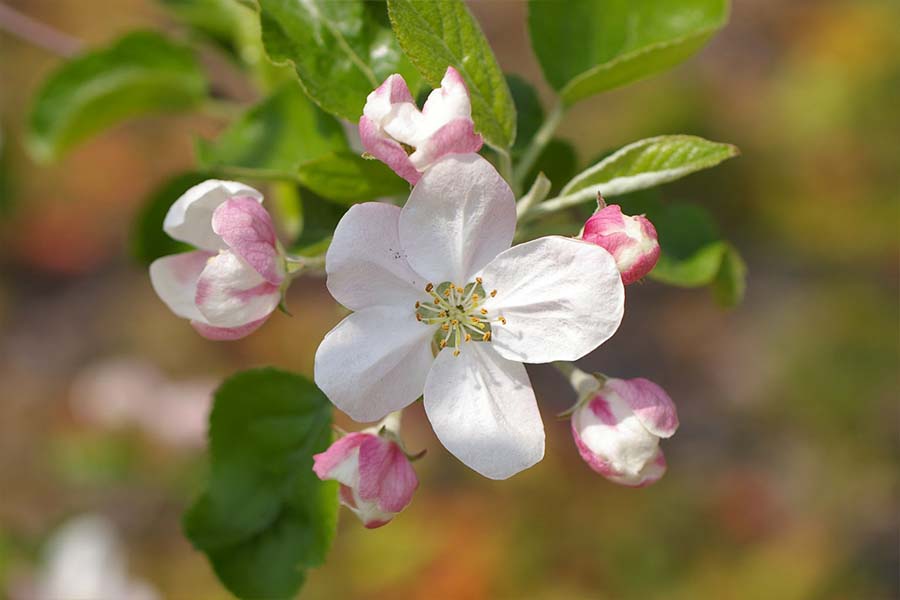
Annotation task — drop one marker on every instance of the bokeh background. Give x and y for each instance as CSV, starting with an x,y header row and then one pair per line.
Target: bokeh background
x,y
782,480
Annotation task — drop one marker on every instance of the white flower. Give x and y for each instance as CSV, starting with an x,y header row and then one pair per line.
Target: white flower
x,y
446,309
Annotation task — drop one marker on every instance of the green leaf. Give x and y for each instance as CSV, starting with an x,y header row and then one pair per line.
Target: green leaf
x,y
318,221
529,112
217,20
588,46
281,132
731,281
557,161
265,517
341,51
649,163
436,35
142,72
348,178
148,240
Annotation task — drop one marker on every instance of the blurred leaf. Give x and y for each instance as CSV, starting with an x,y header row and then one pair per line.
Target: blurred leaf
x,y
281,132
529,112
731,281
693,253
142,72
436,35
265,517
558,162
588,46
649,163
347,178
148,240
341,51
217,20
318,221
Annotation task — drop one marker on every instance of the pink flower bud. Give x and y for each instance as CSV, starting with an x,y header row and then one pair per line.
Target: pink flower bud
x,y
631,240
618,428
377,479
394,131
230,285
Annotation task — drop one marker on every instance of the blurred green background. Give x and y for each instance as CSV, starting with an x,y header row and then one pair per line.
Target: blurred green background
x,y
782,480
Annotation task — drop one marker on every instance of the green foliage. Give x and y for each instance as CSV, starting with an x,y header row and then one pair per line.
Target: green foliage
x,y
341,51
558,162
148,240
140,73
588,46
347,178
281,132
220,21
318,219
649,163
436,35
265,517
529,112
693,253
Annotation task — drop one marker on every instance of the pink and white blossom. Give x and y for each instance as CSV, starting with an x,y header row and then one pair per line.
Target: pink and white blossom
x,y
447,310
376,478
631,240
230,285
408,140
617,429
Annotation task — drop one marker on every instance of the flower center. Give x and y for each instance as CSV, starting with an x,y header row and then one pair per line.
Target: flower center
x,y
458,314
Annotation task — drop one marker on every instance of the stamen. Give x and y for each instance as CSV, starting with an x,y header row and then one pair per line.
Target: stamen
x,y
493,293
486,337
429,287
502,319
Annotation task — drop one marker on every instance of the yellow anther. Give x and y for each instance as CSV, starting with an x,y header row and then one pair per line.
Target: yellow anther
x,y
468,337
493,293
484,311
502,320
447,293
445,327
454,322
459,290
443,344
478,280
429,287
437,300
418,317
475,298
475,320
456,353
417,304
486,337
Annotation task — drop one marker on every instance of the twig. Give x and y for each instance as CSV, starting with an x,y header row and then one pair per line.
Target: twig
x,y
38,34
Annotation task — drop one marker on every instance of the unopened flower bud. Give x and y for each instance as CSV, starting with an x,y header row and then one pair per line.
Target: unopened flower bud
x,y
631,240
618,426
230,285
376,478
396,132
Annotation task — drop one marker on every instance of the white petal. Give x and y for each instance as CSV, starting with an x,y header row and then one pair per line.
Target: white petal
x,y
366,264
459,216
483,410
190,217
231,293
174,278
374,362
561,298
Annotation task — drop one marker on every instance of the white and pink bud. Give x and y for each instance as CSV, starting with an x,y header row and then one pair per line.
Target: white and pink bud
x,y
230,285
631,240
617,428
376,478
396,132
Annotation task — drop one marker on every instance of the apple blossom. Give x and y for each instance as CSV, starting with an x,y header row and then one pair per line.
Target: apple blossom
x,y
394,131
377,480
631,240
230,285
446,309
617,426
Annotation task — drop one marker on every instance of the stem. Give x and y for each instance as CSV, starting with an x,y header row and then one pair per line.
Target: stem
x,y
392,422
251,173
506,170
584,383
539,190
540,140
299,265
37,33
559,203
